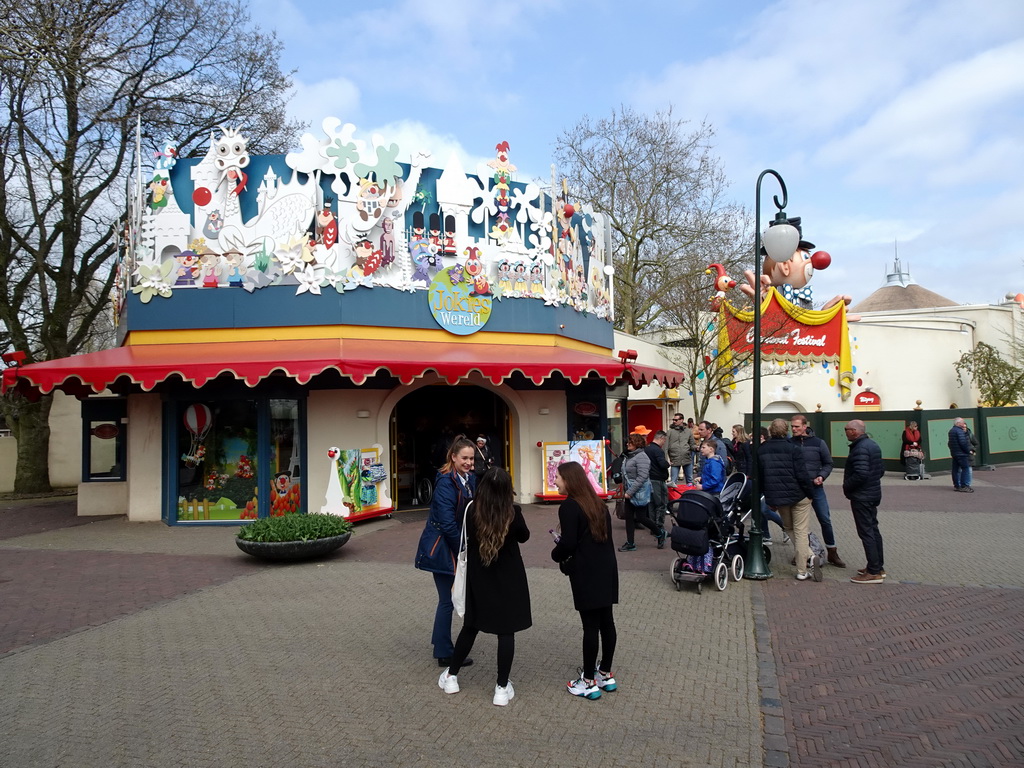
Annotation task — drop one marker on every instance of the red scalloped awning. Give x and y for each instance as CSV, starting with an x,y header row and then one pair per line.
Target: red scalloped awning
x,y
252,361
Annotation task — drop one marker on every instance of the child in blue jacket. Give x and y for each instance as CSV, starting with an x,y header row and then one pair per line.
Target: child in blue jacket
x,y
712,478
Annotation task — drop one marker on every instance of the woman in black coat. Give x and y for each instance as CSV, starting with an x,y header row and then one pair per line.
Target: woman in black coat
x,y
497,593
585,552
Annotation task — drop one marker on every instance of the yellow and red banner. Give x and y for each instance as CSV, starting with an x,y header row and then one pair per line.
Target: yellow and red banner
x,y
790,334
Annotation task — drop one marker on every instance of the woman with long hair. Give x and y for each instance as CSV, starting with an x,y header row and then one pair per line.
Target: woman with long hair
x,y
584,551
739,449
497,593
636,470
454,487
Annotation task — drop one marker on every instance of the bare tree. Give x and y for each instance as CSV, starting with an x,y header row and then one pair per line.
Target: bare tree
x,y
663,191
75,78
999,381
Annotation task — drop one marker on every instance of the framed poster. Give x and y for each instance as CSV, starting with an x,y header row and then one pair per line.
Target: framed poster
x,y
590,455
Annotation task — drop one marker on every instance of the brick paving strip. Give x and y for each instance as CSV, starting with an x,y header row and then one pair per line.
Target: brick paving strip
x,y
894,674
51,594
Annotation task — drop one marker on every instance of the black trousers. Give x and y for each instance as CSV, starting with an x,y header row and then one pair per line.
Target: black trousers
x,y
638,516
598,623
865,516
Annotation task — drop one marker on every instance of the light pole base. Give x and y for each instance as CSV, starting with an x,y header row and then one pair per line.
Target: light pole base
x,y
756,567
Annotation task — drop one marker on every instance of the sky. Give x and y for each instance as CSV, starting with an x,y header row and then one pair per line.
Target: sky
x,y
897,125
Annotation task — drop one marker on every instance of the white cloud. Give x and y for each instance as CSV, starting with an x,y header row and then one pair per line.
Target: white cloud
x,y
937,122
312,102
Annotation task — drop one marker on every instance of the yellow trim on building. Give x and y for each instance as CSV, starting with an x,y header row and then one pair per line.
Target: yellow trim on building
x,y
305,332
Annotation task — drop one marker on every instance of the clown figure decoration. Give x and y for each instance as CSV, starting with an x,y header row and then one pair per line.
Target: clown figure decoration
x,y
792,277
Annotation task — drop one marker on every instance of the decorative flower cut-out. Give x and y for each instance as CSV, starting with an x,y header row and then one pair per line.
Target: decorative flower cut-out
x,y
154,280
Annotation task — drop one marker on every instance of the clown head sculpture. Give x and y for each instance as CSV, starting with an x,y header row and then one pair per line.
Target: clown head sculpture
x,y
793,276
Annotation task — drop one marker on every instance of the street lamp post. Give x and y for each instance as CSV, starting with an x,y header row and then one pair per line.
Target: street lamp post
x,y
780,241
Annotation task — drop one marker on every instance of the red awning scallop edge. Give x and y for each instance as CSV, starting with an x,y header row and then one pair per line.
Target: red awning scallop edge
x,y
358,359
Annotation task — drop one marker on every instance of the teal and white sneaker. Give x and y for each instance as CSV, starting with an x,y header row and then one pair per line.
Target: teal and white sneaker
x,y
605,682
582,687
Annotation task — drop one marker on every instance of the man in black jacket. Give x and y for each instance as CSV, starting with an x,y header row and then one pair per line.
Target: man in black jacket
x,y
819,465
962,452
862,485
787,487
659,482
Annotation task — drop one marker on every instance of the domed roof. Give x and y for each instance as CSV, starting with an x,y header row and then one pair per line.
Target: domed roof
x,y
901,292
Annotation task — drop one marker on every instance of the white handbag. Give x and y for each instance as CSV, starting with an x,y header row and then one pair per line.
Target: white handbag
x,y
459,586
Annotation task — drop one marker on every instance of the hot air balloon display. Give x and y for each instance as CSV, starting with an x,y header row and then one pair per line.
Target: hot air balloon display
x,y
198,419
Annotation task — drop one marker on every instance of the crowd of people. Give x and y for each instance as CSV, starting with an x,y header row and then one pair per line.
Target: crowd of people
x,y
793,467
478,507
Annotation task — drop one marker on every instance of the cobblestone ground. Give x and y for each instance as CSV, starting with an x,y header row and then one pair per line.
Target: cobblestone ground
x,y
133,644
222,662
926,669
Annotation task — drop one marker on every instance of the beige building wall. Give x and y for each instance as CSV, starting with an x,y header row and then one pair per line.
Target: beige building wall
x,y
903,356
333,420
145,458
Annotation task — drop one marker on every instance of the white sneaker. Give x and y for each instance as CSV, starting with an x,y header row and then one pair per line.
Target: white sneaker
x,y
503,695
803,576
582,687
605,682
448,683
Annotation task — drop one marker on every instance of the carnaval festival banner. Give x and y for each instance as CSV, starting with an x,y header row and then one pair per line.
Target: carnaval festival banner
x,y
789,333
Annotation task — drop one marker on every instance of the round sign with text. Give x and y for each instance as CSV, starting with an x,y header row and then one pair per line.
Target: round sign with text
x,y
455,305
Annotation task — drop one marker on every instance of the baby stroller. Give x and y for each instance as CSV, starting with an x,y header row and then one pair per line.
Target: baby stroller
x,y
707,538
912,461
735,499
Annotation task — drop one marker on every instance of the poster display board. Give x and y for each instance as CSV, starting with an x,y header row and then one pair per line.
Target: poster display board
x,y
589,453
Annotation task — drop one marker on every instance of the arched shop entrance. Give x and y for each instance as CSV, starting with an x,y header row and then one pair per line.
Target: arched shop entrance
x,y
423,425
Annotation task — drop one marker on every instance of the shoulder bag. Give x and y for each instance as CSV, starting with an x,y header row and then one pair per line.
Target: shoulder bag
x,y
642,497
459,587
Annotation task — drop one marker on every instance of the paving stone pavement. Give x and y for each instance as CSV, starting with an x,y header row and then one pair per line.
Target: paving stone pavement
x,y
134,644
329,663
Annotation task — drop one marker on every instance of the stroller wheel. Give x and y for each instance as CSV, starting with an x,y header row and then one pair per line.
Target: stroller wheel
x,y
721,576
673,570
737,567
699,587
767,555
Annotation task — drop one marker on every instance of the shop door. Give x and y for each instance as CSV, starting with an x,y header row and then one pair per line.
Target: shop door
x,y
427,420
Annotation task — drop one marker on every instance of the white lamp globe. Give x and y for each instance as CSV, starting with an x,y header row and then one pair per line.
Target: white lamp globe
x,y
780,241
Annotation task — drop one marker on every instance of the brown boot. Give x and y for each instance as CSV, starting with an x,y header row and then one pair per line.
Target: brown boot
x,y
834,558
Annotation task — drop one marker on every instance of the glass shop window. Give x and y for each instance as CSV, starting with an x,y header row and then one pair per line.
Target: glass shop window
x,y
285,441
104,439
218,476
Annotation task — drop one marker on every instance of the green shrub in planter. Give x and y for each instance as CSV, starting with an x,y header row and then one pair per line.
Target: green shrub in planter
x,y
295,528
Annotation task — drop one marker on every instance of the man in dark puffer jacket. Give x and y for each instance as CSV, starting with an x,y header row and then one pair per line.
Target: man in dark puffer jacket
x,y
788,488
862,485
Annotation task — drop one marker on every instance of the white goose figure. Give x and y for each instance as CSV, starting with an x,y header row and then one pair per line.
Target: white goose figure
x,y
334,502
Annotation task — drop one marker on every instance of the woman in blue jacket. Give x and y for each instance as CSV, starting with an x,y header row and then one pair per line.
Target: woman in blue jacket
x,y
453,488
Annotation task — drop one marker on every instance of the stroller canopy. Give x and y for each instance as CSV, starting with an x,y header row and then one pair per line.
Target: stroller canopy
x,y
695,509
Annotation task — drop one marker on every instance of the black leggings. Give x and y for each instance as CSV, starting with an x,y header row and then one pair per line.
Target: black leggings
x,y
506,652
597,621
638,516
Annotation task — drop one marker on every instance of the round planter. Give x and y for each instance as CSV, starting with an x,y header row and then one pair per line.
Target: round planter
x,y
292,551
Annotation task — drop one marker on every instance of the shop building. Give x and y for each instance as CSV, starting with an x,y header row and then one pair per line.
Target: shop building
x,y
306,330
